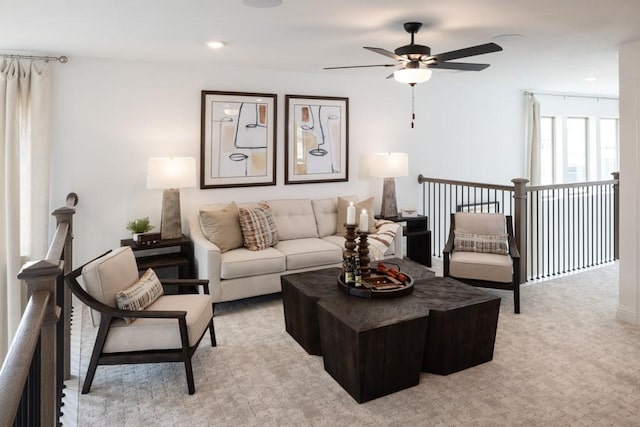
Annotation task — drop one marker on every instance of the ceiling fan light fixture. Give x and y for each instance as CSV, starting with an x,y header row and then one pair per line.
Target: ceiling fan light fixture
x,y
412,76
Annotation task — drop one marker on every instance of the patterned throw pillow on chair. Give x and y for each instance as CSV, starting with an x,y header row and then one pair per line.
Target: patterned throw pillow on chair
x,y
258,227
493,244
140,295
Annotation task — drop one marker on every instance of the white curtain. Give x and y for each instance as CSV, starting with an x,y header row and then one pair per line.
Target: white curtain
x,y
25,89
533,139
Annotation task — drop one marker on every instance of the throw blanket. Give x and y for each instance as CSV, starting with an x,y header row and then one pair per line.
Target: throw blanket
x,y
382,239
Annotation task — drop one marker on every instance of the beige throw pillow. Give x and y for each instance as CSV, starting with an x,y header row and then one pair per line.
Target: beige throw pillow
x,y
222,227
258,227
343,204
140,295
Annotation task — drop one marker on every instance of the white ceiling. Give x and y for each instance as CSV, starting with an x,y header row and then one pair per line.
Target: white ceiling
x,y
564,40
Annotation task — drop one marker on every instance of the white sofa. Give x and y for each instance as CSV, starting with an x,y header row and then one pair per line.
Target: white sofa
x,y
307,241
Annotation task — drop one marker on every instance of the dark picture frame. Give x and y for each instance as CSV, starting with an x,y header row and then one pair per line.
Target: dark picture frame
x,y
316,139
238,139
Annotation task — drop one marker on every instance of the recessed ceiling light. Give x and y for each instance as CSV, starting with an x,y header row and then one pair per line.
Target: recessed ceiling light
x,y
262,3
590,79
216,44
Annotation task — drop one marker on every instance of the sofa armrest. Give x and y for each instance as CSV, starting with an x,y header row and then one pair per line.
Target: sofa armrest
x,y
206,255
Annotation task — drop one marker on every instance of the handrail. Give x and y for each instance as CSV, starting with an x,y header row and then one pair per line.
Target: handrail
x,y
422,179
571,185
16,367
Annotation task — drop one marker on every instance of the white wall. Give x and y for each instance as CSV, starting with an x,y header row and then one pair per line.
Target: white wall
x,y
629,297
110,116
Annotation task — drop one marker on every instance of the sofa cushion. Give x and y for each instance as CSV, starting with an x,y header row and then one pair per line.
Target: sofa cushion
x,y
474,265
326,213
243,262
158,334
343,204
140,295
258,227
311,252
483,243
294,218
222,227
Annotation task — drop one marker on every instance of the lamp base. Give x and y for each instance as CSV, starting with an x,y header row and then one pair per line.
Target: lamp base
x,y
171,224
389,207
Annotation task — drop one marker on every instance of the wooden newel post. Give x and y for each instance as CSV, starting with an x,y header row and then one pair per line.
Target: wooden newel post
x,y
616,215
64,215
520,222
41,276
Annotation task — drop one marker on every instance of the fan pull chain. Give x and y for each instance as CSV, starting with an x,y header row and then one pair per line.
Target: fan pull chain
x,y
413,105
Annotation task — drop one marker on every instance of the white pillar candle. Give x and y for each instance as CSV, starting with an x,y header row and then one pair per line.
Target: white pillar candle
x,y
364,220
351,214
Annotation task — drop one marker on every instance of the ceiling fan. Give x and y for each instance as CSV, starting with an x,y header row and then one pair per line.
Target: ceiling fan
x,y
415,61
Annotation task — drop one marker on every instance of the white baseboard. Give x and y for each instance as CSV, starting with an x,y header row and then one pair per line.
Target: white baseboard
x,y
627,315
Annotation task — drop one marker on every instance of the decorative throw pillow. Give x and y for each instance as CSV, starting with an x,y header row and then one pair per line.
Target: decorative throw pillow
x,y
343,204
222,227
483,243
140,295
258,227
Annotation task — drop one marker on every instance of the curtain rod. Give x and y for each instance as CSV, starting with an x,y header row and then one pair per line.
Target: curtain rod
x,y
568,95
62,59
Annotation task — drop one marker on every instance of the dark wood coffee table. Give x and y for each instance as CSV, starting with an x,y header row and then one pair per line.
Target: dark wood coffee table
x,y
462,324
376,347
372,347
302,291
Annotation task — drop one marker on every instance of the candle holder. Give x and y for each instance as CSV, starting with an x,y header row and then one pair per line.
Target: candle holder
x,y
363,253
350,243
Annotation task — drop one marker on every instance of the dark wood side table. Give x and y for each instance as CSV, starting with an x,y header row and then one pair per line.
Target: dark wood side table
x,y
165,253
418,237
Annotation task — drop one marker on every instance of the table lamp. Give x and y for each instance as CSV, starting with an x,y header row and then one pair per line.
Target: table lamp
x,y
170,174
389,166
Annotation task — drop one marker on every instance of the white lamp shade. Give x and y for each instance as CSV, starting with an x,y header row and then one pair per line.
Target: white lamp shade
x,y
390,165
412,75
171,172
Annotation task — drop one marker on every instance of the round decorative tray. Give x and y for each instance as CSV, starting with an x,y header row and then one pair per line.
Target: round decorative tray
x,y
377,286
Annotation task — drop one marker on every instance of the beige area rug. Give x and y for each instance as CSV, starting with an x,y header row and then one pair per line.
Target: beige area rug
x,y
564,361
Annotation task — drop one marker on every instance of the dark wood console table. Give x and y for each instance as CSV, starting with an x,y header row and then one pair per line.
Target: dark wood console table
x,y
165,253
418,237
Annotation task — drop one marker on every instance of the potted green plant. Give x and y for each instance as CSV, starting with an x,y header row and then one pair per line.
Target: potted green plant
x,y
139,226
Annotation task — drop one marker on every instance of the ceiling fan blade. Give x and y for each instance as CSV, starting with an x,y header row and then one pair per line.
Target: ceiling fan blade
x,y
464,66
359,66
481,49
386,53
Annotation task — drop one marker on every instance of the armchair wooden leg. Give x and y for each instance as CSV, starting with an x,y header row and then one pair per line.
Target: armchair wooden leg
x,y
516,298
189,370
212,330
97,351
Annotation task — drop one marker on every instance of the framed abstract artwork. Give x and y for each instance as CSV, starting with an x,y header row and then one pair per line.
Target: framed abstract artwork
x,y
316,139
238,139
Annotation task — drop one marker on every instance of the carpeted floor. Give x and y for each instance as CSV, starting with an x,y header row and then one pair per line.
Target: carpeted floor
x,y
564,361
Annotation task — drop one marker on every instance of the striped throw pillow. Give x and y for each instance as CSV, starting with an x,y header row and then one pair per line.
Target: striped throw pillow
x,y
258,227
140,295
493,244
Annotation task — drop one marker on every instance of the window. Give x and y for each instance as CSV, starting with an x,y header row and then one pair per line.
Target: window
x,y
608,147
576,137
577,149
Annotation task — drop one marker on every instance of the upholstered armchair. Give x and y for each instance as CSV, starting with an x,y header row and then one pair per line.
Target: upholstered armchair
x,y
482,251
138,323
